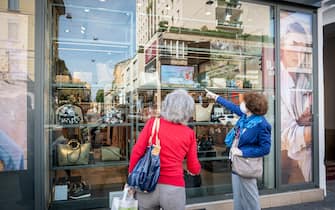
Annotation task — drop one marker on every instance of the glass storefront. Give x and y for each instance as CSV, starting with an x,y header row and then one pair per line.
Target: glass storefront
x,y
111,63
79,80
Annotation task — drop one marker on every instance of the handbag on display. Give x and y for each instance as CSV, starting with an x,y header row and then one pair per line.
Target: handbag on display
x,y
146,172
110,153
218,82
69,114
73,153
205,144
246,167
203,113
113,116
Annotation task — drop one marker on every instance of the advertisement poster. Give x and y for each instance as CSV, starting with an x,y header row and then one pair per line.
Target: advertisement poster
x,y
14,97
177,75
296,97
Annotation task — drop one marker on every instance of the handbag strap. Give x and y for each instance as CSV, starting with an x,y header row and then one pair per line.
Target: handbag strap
x,y
155,128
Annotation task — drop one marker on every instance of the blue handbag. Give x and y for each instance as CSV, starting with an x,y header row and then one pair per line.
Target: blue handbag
x,y
146,172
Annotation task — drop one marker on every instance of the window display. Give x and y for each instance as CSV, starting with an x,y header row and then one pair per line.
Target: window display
x,y
89,127
102,92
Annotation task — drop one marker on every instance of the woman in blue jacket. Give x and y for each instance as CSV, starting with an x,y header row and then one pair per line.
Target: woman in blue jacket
x,y
254,141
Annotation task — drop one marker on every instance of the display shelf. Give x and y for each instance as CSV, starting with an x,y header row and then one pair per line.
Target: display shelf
x,y
201,89
70,85
88,125
99,199
213,158
198,124
93,165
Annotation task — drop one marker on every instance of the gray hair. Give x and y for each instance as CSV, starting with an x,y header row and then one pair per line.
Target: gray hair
x,y
178,106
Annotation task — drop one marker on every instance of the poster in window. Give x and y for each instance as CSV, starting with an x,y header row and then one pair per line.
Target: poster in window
x,y
296,97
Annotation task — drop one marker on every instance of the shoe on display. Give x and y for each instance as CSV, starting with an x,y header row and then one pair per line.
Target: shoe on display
x,y
79,190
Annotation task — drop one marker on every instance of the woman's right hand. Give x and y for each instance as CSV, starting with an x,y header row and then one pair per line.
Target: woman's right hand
x,y
211,95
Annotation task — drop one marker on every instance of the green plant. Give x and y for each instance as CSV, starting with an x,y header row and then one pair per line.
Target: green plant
x,y
100,96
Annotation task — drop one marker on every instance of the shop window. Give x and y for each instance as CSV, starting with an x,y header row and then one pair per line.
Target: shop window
x,y
102,94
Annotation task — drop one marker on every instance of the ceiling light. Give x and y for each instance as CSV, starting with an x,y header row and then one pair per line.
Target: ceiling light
x,y
82,31
208,13
86,10
102,0
83,28
67,30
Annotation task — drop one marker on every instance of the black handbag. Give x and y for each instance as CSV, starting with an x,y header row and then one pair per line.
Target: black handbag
x,y
192,180
146,172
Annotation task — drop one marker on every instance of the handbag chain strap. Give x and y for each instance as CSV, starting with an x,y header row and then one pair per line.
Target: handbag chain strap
x,y
155,127
73,150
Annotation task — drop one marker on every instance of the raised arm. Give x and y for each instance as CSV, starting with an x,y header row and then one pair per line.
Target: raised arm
x,y
224,102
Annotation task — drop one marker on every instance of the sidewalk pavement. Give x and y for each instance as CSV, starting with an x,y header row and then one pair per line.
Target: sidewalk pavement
x,y
327,204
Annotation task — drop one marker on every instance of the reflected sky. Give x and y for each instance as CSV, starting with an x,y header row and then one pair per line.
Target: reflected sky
x,y
94,35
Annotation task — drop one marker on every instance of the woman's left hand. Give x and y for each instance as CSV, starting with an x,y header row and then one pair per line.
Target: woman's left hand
x,y
236,151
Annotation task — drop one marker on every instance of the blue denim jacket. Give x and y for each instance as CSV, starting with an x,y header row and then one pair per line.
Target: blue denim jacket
x,y
10,153
255,141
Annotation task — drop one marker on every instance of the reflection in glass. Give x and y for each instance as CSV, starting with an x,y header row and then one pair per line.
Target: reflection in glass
x,y
104,87
223,46
16,100
90,96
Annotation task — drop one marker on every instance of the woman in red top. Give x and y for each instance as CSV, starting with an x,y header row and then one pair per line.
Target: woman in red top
x,y
177,142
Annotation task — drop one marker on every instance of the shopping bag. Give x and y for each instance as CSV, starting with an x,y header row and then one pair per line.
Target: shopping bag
x,y
129,204
115,203
126,202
